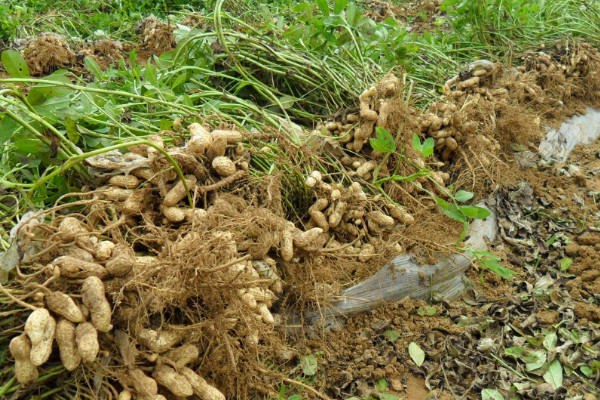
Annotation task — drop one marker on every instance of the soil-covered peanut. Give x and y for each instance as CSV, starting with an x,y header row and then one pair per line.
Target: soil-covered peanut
x,y
124,395
136,203
261,295
70,228
336,217
78,253
117,194
367,251
124,181
63,305
142,384
305,239
200,387
174,214
198,144
94,298
266,315
287,245
67,345
365,110
71,267
217,147
178,192
248,299
231,136
40,328
183,355
224,166
104,249
365,168
170,379
401,215
195,215
20,348
159,342
86,337
381,219
319,219
122,260
73,230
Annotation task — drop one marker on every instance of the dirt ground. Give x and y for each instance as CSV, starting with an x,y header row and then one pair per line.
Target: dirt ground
x,y
363,352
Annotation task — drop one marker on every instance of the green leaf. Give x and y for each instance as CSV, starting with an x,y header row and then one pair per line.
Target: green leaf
x,y
516,352
133,57
552,239
324,7
534,360
94,68
387,396
53,108
8,127
150,75
15,64
450,210
461,196
550,341
179,80
565,263
392,336
309,365
71,128
491,394
587,371
426,311
383,141
339,6
417,143
475,212
415,352
295,397
42,91
165,124
554,375
27,145
428,147
351,13
381,385
287,101
497,268
300,7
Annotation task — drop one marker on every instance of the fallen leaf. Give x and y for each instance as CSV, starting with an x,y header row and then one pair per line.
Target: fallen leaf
x,y
415,352
554,376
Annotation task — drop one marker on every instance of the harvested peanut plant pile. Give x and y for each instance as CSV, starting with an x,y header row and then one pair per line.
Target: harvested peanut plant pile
x,y
207,226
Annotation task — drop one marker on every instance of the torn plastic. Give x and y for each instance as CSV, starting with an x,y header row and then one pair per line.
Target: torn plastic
x,y
580,129
22,248
115,163
403,276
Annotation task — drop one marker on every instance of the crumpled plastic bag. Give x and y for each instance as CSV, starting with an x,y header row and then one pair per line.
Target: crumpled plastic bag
x,y
580,129
115,163
19,250
403,276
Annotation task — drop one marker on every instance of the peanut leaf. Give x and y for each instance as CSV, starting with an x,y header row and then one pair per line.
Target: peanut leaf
x,y
15,64
554,375
416,353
